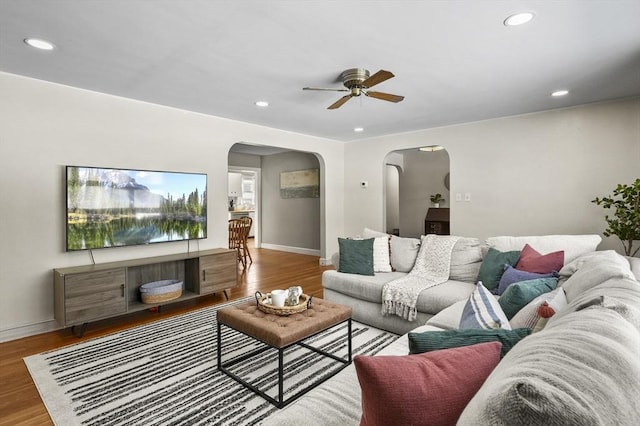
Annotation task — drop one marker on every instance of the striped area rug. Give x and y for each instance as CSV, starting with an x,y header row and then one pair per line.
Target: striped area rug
x,y
164,373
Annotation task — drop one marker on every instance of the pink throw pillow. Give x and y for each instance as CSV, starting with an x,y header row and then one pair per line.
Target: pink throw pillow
x,y
432,388
532,261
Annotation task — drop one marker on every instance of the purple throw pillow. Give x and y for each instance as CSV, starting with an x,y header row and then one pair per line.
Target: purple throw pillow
x,y
512,275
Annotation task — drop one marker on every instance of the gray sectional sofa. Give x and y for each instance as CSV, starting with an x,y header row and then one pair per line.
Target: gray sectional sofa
x,y
582,368
364,293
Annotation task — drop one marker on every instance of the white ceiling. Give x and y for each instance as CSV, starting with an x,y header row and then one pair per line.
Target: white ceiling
x,y
454,61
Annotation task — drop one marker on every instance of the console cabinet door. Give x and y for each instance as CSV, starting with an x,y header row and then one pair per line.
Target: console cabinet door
x,y
94,295
218,272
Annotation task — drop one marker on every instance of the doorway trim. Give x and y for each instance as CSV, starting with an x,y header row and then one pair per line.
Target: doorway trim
x,y
258,232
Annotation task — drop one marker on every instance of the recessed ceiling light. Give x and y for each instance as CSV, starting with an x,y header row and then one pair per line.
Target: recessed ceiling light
x,y
358,129
39,43
559,93
431,148
262,104
518,19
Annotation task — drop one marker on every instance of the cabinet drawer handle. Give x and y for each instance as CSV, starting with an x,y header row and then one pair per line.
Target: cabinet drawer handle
x,y
204,275
122,287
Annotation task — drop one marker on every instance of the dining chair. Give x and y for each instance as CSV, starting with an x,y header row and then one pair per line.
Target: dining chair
x,y
238,233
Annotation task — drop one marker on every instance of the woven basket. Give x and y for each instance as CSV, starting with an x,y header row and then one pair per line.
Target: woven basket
x,y
160,291
266,307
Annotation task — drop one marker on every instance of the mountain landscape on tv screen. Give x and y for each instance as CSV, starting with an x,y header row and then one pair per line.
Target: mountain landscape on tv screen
x,y
109,207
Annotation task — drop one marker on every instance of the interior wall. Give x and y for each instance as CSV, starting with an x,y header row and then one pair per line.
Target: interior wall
x,y
525,175
44,126
292,223
392,198
239,159
423,176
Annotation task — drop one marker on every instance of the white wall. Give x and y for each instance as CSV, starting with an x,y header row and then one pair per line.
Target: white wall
x,y
529,174
45,126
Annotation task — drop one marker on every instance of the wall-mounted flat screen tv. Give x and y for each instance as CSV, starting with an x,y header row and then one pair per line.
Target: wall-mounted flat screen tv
x,y
120,207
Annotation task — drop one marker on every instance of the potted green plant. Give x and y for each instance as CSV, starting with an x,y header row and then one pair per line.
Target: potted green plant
x,y
625,224
436,199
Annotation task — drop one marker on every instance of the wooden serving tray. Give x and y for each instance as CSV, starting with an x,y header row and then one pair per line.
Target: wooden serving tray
x,y
266,307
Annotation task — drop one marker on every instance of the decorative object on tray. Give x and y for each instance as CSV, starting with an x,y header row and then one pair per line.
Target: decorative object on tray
x,y
264,304
293,296
160,291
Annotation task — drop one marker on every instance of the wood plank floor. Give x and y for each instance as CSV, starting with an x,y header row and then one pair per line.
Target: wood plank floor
x,y
20,402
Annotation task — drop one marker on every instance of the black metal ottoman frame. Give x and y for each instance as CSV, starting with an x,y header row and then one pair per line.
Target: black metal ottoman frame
x,y
280,402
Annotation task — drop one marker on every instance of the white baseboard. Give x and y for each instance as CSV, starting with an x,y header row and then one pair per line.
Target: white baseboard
x,y
325,262
299,250
28,330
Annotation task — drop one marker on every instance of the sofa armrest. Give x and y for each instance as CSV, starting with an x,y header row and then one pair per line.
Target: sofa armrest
x,y
634,262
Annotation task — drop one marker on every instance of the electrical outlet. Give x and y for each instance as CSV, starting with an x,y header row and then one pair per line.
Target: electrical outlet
x,y
458,196
364,184
467,197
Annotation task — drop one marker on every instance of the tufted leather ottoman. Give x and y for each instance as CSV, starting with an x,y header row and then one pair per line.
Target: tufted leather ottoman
x,y
281,332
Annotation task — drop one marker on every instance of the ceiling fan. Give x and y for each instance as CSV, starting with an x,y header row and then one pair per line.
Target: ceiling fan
x,y
357,81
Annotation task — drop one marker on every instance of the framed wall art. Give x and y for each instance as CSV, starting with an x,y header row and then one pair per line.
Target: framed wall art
x,y
300,184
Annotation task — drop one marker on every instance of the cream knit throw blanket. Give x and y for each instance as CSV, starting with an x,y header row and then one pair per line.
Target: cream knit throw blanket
x,y
433,262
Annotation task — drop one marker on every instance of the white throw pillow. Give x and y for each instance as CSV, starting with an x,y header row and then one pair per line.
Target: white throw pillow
x,y
381,258
528,316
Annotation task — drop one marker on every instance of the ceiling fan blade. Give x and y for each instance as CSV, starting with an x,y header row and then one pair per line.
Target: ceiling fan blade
x,y
339,102
385,96
378,77
326,89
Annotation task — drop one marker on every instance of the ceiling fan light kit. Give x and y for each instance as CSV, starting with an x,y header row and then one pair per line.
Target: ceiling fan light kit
x,y
357,81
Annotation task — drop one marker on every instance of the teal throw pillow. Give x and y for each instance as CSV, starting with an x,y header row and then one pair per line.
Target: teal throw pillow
x,y
356,256
512,275
492,266
518,295
435,340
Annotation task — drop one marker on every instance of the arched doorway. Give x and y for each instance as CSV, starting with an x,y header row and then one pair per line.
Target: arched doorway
x,y
282,223
412,176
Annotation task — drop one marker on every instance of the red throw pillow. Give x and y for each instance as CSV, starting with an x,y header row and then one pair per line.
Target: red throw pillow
x,y
532,261
432,388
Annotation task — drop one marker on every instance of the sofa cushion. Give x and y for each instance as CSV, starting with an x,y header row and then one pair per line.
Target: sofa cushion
x,y
466,259
369,288
582,369
518,295
403,253
532,261
356,256
435,340
448,318
426,389
591,270
372,233
482,310
492,266
364,287
573,245
512,275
